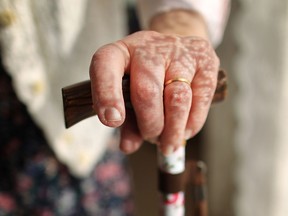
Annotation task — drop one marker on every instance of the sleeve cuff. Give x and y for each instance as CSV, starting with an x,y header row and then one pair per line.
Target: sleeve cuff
x,y
214,12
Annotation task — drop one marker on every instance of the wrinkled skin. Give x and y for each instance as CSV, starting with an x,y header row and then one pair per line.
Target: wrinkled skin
x,y
165,116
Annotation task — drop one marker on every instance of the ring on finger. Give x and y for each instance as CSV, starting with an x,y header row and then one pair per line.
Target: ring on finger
x,y
177,79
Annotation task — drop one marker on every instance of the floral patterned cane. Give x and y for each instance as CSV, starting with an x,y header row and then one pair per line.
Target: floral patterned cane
x,y
171,184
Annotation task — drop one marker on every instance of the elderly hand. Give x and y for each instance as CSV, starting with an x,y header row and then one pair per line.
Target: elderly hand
x,y
164,114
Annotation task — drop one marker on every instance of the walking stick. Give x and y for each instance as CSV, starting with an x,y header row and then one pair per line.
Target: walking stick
x,y
77,101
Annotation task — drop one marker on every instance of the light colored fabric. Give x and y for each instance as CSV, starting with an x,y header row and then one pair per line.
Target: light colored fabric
x,y
215,13
48,45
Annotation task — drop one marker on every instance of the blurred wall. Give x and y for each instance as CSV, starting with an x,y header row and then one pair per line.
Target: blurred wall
x,y
247,135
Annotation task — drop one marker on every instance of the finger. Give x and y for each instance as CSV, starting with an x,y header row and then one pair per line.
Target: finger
x,y
106,71
177,102
147,96
131,139
203,87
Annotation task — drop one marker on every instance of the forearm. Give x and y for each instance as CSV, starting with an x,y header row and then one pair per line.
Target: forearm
x,y
180,22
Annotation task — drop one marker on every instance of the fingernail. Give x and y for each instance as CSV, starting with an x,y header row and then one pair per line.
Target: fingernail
x,y
184,142
188,134
112,114
168,150
153,140
127,147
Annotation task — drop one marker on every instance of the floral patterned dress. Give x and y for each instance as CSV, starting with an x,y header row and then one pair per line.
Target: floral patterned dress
x,y
33,182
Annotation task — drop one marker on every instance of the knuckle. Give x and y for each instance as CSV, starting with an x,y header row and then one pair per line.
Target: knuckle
x,y
146,93
151,132
106,95
179,98
102,92
217,60
103,51
151,124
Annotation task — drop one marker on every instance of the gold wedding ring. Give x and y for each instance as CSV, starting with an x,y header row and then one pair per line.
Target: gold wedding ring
x,y
178,79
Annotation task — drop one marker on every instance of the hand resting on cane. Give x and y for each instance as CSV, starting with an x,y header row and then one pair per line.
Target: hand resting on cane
x,y
163,114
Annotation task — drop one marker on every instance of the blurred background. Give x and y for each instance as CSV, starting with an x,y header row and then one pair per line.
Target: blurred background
x,y
247,137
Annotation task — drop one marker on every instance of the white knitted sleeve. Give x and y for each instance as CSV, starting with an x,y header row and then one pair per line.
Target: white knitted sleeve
x,y
215,13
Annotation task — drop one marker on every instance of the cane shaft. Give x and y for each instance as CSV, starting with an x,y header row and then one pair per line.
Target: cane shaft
x,y
171,182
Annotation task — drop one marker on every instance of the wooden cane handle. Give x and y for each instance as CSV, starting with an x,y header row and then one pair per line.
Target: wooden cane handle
x,y
77,98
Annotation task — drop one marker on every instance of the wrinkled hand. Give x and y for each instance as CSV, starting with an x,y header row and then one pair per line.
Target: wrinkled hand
x,y
164,115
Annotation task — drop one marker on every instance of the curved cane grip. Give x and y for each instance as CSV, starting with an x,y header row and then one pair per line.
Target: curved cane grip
x,y
77,98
